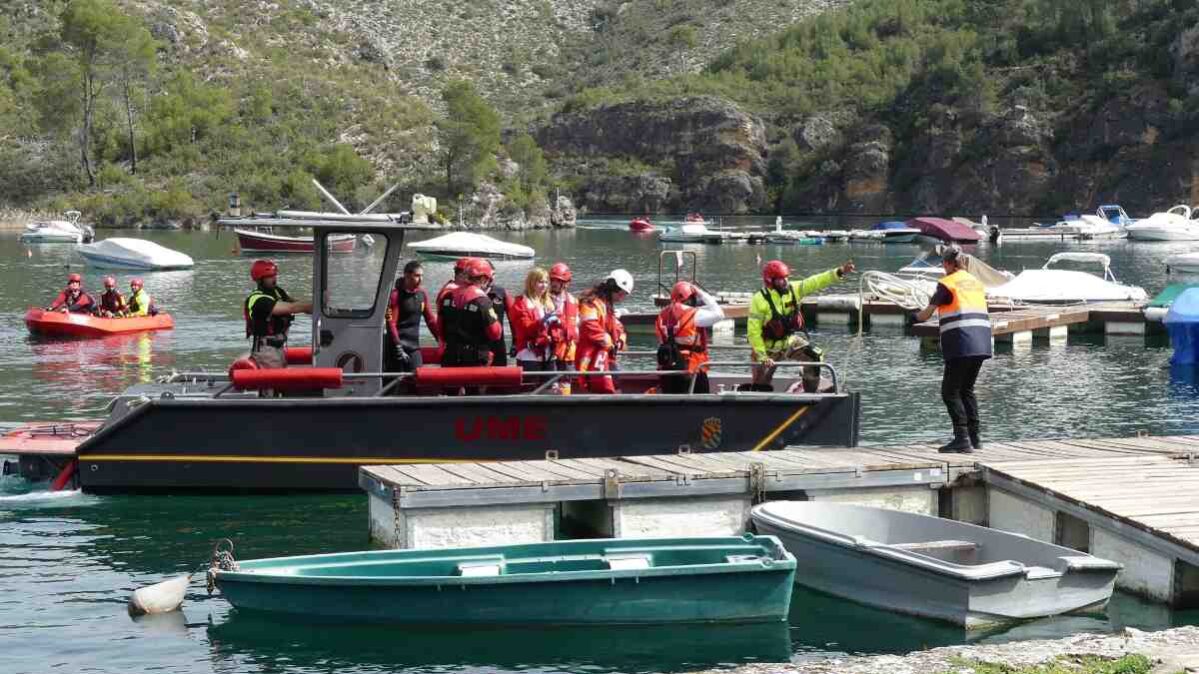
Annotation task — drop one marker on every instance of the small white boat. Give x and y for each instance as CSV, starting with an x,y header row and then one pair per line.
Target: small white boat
x,y
137,254
1066,286
1175,224
690,232
469,244
1187,263
933,567
58,231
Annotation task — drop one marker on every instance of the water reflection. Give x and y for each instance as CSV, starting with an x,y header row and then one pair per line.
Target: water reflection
x,y
75,370
269,644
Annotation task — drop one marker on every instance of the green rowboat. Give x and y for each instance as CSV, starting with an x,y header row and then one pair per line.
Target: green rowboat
x,y
602,581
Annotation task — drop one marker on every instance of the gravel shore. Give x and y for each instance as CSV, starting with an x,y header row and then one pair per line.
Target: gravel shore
x,y
1174,650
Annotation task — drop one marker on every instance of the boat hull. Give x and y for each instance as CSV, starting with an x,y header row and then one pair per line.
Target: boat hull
x,y
50,237
256,242
564,594
1163,234
969,593
58,324
178,441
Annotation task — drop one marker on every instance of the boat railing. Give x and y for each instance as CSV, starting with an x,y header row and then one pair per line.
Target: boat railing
x,y
551,377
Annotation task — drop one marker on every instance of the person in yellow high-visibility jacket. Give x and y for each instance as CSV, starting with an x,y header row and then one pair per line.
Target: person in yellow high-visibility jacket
x,y
960,303
775,326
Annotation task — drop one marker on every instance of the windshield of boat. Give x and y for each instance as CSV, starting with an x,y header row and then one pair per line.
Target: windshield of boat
x,y
353,275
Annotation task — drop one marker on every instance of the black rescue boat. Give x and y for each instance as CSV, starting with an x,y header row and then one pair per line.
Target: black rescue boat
x,y
339,411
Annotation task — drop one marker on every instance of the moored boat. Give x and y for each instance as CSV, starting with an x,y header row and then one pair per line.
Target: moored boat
x,y
690,232
895,231
1066,286
470,244
1175,224
58,231
942,230
137,254
252,242
641,225
594,582
934,567
60,324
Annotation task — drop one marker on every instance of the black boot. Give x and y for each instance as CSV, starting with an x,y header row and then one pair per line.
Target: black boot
x,y
960,444
975,442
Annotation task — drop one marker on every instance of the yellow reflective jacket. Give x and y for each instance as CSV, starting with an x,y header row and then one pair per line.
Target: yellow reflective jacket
x,y
760,311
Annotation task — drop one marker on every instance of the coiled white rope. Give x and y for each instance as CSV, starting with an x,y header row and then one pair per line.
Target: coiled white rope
x,y
911,294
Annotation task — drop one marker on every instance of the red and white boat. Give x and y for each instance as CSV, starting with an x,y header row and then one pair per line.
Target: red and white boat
x,y
695,219
641,225
254,242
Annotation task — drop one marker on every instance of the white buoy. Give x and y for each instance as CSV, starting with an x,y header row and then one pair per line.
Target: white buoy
x,y
161,597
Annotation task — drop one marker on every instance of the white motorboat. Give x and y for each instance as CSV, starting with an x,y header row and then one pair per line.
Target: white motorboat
x,y
1114,213
690,232
137,254
1187,263
1066,286
1081,228
933,567
58,231
1175,224
469,244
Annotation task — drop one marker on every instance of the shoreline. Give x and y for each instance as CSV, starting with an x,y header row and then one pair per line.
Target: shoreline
x,y
1171,651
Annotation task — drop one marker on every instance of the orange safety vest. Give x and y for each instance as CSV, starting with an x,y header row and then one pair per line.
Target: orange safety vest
x,y
692,340
965,326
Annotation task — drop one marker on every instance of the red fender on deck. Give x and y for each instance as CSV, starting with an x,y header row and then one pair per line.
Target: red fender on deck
x,y
64,477
280,379
468,376
243,363
298,355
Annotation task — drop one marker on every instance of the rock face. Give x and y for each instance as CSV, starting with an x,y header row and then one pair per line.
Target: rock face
x,y
706,154
1185,51
491,209
1136,149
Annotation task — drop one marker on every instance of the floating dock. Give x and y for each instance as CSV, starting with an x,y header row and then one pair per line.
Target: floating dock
x,y
1129,499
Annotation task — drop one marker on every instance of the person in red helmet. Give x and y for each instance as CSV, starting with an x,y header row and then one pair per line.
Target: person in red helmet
x,y
503,305
140,303
775,327
269,312
112,302
455,283
73,299
565,335
683,328
469,324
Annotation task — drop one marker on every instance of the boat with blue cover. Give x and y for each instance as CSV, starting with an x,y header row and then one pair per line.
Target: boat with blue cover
x,y
598,581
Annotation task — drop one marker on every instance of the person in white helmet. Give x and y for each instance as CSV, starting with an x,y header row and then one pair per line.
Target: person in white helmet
x,y
601,335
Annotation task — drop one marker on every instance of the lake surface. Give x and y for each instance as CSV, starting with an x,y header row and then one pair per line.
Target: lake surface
x,y
69,561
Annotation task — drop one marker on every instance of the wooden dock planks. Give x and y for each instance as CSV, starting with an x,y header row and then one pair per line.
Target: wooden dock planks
x,y
1019,320
1151,492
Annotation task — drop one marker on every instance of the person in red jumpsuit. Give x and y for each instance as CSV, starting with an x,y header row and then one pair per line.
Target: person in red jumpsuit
x,y
601,335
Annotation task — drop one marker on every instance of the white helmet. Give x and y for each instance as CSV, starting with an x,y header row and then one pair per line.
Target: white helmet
x,y
623,280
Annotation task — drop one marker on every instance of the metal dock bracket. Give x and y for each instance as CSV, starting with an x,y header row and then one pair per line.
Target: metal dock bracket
x,y
611,484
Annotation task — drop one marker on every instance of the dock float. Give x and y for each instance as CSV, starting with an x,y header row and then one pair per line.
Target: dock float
x,y
1128,499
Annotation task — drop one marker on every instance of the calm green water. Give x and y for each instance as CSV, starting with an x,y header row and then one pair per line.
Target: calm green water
x,y
68,561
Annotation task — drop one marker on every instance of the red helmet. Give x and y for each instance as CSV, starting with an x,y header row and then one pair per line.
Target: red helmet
x,y
560,272
479,268
110,282
262,269
463,263
682,292
775,269
74,278
136,283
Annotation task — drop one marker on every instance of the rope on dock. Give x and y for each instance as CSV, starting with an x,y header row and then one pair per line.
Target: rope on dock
x,y
910,294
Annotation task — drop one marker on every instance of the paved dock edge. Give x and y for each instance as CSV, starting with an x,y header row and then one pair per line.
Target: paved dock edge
x,y
1173,650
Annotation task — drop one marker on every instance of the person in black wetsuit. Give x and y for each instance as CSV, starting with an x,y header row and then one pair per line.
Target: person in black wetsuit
x,y
408,303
